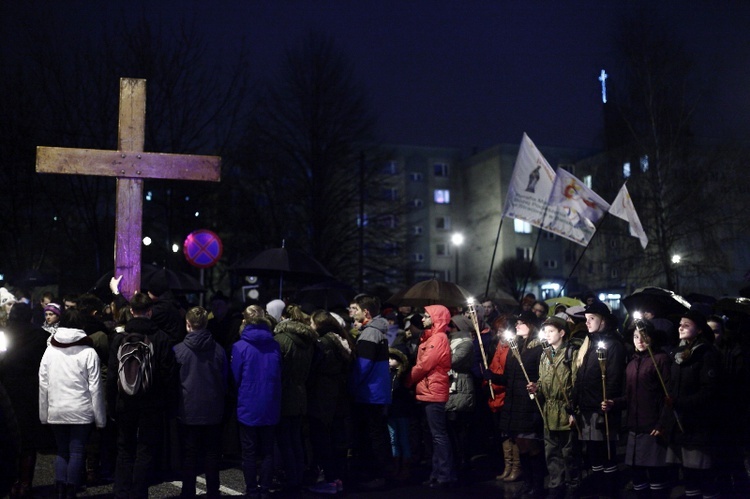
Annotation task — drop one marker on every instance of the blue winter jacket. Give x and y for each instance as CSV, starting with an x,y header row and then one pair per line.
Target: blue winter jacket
x,y
370,381
204,373
256,372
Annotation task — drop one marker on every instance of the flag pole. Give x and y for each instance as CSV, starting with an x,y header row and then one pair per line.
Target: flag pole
x,y
575,266
533,252
492,261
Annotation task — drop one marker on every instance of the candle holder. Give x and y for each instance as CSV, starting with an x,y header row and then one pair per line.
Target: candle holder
x,y
475,321
601,353
510,337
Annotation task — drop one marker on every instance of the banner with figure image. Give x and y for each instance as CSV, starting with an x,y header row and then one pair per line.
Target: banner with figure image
x,y
573,210
530,185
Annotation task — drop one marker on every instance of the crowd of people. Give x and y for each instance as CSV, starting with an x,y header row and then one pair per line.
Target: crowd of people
x,y
323,400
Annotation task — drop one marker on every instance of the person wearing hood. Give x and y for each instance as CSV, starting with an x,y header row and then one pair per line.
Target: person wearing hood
x,y
600,436
430,375
71,397
370,384
297,341
461,395
203,374
694,395
256,379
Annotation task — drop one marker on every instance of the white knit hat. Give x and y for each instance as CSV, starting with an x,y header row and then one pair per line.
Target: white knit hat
x,y
6,297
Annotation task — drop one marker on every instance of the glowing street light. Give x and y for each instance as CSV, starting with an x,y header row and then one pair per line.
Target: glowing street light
x,y
676,259
457,239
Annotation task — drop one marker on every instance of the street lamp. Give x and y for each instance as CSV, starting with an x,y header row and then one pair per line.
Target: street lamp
x,y
457,239
676,259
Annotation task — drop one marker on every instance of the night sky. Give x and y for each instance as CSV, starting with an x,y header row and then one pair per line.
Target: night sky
x,y
446,73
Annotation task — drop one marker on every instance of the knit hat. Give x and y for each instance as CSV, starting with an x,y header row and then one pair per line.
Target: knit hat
x,y
275,308
54,308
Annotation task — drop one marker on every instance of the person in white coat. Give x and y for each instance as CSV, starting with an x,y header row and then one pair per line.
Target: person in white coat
x,y
71,397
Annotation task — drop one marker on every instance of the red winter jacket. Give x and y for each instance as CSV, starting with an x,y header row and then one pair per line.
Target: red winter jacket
x,y
430,373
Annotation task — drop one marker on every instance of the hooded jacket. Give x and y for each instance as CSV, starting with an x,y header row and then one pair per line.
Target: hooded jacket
x,y
430,373
70,387
461,392
256,375
370,380
297,342
203,374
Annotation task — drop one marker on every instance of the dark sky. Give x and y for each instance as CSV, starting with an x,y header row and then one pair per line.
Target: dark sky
x,y
448,73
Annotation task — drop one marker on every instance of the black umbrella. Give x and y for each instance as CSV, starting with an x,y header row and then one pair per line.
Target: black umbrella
x,y
284,263
432,292
732,304
662,302
180,282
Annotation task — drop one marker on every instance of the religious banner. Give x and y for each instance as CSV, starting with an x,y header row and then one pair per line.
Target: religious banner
x,y
622,207
530,185
573,210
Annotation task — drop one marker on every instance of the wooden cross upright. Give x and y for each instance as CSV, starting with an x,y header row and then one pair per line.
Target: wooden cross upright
x,y
130,165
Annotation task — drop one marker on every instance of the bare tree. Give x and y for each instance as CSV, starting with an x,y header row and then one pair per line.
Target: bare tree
x,y
310,161
513,274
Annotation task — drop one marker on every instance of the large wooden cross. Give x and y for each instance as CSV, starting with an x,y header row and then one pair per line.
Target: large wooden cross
x,y
130,165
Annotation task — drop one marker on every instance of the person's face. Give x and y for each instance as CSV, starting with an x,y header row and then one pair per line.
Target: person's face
x,y
51,318
487,306
522,329
69,304
594,323
539,311
716,328
45,301
639,341
356,313
404,311
427,321
589,300
526,306
7,307
688,330
648,315
553,335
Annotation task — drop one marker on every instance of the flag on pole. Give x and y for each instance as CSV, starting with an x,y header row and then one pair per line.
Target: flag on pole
x,y
622,207
574,210
530,185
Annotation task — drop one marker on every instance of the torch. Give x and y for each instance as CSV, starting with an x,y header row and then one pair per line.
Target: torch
x,y
601,353
642,330
473,315
510,337
547,349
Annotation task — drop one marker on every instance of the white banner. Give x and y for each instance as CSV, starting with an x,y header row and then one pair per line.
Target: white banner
x,y
574,210
530,185
622,207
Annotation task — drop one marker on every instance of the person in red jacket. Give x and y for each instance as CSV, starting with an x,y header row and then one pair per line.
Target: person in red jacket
x,y
430,375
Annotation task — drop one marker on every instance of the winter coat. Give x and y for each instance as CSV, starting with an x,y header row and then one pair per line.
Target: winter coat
x,y
297,342
327,394
203,373
256,376
430,373
497,366
99,334
694,386
162,393
461,389
19,373
644,395
370,380
554,385
587,374
520,413
403,404
70,386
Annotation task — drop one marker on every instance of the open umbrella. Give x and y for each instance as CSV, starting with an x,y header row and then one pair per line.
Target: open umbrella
x,y
733,304
662,302
432,292
175,280
566,301
326,295
283,263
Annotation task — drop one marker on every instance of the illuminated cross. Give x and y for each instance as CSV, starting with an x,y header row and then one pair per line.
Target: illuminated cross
x,y
603,78
131,166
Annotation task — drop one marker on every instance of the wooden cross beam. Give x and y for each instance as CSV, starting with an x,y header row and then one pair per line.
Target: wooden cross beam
x,y
131,166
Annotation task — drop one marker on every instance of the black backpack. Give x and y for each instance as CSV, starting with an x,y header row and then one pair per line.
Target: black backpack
x,y
134,364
